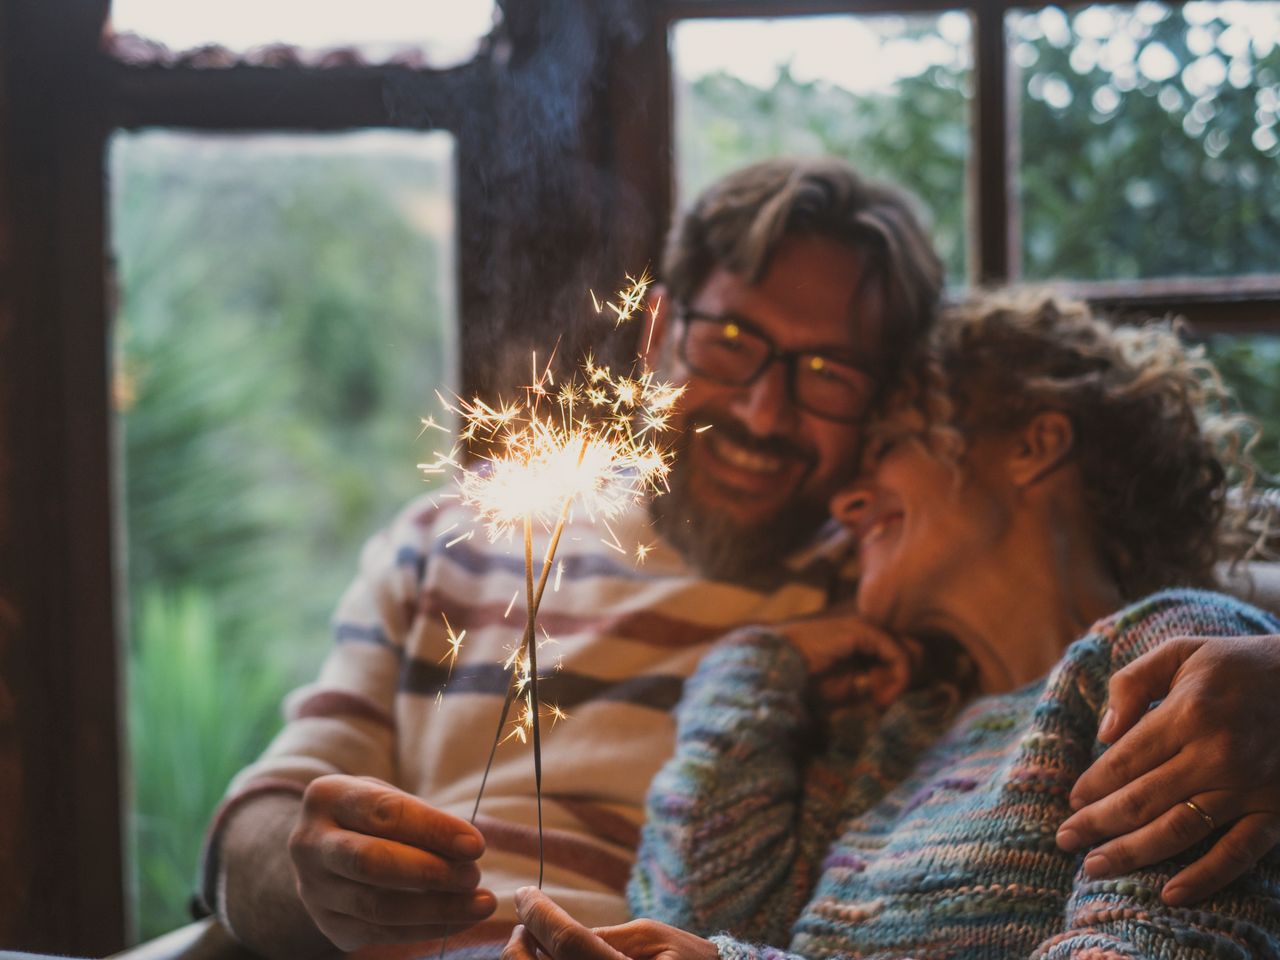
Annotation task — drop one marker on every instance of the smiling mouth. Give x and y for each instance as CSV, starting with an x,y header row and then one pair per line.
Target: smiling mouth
x,y
750,461
878,527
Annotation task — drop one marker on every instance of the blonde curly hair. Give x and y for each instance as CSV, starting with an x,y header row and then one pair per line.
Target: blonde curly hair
x,y
1163,453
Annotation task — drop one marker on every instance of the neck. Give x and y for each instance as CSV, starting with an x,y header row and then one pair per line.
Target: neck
x,y
1016,614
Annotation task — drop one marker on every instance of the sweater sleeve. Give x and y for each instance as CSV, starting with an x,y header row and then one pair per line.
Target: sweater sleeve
x,y
737,821
1124,916
344,722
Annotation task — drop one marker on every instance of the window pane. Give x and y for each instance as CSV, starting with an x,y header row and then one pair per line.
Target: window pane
x,y
888,93
447,33
286,311
1149,140
1251,366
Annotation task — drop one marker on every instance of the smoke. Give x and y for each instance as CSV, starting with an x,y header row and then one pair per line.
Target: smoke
x,y
540,212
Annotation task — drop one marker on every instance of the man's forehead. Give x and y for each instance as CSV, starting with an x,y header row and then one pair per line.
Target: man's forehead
x,y
819,294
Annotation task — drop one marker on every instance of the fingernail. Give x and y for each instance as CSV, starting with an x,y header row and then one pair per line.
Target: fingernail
x,y
522,894
1096,865
1175,896
1104,728
468,845
482,904
1069,840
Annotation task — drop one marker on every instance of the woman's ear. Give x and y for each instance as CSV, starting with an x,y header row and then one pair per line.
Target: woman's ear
x,y
1043,445
655,325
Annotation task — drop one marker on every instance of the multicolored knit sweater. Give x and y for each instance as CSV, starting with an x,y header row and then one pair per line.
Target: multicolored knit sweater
x,y
392,702
926,832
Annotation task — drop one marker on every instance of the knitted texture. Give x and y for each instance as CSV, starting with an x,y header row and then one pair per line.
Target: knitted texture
x,y
928,833
619,641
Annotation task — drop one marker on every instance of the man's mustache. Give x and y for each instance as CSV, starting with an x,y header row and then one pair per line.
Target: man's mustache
x,y
729,427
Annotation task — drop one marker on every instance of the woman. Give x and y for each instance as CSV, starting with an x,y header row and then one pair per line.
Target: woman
x,y
1044,471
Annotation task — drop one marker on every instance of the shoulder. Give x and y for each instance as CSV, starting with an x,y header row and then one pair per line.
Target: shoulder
x,y
1144,625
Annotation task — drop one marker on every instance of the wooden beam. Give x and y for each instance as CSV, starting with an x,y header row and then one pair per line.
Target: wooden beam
x,y
61,665
991,162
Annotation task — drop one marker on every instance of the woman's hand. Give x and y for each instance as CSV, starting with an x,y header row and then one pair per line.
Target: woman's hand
x,y
548,932
849,656
1212,741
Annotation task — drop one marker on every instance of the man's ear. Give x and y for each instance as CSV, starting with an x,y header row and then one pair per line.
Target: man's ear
x,y
656,325
1040,447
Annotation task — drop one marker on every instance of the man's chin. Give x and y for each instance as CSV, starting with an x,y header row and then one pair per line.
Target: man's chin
x,y
730,544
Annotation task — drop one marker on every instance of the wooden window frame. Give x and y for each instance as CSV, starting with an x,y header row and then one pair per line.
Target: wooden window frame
x,y
61,717
1241,304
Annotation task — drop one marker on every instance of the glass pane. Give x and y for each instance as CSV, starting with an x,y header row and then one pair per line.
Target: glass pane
x,y
1251,366
1149,140
888,93
286,311
448,33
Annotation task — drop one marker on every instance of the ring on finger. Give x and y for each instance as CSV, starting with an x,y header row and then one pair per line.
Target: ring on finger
x,y
1200,812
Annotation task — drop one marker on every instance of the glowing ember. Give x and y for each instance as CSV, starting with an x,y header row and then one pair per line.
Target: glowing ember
x,y
591,443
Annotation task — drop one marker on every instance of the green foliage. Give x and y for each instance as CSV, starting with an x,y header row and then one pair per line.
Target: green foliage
x,y
1251,365
197,709
725,123
280,330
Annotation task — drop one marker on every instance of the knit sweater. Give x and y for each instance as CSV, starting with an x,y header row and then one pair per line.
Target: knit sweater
x,y
927,832
618,639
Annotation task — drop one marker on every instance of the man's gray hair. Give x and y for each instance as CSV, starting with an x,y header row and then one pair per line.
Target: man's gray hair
x,y
740,220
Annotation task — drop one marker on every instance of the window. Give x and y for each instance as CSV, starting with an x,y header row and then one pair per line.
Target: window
x,y
874,90
286,313
1148,143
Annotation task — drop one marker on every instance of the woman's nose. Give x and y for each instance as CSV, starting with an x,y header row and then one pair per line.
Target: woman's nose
x,y
851,504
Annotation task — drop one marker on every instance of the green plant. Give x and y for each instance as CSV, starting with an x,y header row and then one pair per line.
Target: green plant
x,y
197,709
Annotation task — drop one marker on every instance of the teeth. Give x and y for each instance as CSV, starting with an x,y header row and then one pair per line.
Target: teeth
x,y
876,530
735,455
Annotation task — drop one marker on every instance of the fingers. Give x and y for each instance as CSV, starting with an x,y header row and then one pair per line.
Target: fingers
x,y
521,945
385,863
380,907
1135,804
557,934
1175,830
1155,739
1236,851
1149,678
371,807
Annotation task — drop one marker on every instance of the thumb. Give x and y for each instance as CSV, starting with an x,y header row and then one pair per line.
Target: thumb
x,y
1149,678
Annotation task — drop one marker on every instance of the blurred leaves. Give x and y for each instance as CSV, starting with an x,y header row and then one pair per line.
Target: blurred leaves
x,y
283,321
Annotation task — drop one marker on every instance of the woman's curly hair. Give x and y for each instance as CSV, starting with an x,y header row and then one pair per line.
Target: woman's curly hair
x,y
1163,454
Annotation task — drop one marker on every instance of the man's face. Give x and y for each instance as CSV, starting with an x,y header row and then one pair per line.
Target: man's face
x,y
754,484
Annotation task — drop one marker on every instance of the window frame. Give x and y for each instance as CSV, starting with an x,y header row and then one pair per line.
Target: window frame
x,y
61,713
1247,303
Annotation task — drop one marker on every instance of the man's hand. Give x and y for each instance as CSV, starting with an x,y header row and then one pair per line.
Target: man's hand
x,y
1213,741
549,932
850,657
377,865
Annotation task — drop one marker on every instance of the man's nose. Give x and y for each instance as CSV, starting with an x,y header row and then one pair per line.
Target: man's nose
x,y
765,406
852,503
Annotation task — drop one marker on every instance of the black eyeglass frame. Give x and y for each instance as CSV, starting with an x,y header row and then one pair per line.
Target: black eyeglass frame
x,y
686,316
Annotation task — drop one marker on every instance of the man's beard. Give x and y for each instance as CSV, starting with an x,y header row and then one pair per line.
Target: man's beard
x,y
718,545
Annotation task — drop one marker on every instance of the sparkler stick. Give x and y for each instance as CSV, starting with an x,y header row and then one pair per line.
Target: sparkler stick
x,y
598,448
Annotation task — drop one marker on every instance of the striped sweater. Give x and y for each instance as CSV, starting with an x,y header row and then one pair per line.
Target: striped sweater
x,y
927,832
623,638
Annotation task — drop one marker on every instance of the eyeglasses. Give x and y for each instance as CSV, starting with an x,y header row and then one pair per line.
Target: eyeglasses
x,y
729,350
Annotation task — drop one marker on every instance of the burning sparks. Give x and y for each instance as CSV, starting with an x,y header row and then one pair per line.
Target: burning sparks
x,y
591,443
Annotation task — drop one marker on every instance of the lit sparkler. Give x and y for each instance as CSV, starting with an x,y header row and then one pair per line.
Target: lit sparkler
x,y
592,443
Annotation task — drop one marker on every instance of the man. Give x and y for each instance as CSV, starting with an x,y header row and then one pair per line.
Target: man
x,y
793,290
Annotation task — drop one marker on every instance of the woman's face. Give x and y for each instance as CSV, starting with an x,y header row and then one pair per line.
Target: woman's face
x,y
926,526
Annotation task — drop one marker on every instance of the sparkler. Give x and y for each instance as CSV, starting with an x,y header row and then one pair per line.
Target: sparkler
x,y
593,442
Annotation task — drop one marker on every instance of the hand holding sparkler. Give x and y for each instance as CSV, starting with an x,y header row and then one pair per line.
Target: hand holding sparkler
x,y
591,443
365,853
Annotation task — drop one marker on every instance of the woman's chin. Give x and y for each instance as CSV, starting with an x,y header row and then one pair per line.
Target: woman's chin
x,y
876,602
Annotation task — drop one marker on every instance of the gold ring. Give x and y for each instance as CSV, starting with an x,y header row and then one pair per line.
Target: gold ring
x,y
1199,812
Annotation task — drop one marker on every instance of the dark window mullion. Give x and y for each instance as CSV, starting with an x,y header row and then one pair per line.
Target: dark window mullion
x,y
992,216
